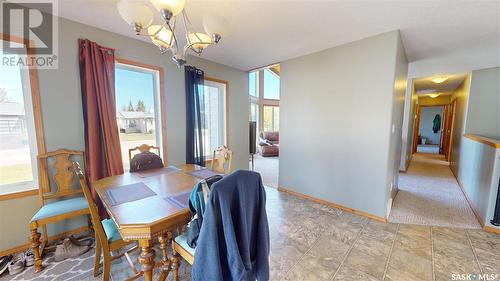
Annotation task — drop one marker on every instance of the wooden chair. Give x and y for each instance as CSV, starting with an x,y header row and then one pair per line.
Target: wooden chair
x,y
221,160
181,248
221,163
143,148
61,202
107,237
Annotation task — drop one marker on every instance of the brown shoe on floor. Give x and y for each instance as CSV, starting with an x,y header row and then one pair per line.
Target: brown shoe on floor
x,y
69,250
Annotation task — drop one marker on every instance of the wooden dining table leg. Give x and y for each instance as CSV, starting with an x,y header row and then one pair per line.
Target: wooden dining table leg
x,y
165,260
147,259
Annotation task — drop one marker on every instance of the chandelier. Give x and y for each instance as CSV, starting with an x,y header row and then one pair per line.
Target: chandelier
x,y
140,17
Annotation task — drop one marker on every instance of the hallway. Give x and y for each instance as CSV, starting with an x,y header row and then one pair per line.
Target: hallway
x,y
430,195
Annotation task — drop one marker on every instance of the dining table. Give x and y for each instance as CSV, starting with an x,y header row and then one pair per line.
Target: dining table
x,y
151,205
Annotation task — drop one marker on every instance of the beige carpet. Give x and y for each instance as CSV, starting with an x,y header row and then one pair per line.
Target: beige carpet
x,y
268,167
430,195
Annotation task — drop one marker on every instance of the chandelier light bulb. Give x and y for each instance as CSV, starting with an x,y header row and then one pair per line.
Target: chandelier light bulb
x,y
172,6
198,40
161,36
135,13
216,27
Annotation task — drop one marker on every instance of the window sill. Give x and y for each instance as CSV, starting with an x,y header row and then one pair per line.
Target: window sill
x,y
18,194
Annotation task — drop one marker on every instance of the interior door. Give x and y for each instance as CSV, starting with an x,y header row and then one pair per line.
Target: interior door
x,y
416,128
444,135
450,128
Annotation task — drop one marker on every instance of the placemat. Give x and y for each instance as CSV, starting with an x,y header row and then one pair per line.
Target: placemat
x,y
181,200
166,170
203,174
128,193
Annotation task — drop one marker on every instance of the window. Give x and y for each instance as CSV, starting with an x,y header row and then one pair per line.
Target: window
x,y
19,137
264,104
214,114
253,86
271,118
271,85
139,107
254,116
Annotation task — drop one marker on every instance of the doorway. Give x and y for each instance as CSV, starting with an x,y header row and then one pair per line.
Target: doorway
x,y
264,98
433,130
430,129
428,192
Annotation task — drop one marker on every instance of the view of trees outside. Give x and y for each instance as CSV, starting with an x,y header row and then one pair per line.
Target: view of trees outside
x,y
15,155
135,96
271,118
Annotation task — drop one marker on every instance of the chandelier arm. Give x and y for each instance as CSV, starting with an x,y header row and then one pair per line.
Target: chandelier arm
x,y
185,20
173,34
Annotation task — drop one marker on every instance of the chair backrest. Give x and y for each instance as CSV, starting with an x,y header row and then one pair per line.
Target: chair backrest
x,y
142,148
94,214
221,160
144,159
55,167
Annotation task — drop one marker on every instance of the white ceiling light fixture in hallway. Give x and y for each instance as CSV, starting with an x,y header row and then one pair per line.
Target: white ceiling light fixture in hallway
x,y
139,16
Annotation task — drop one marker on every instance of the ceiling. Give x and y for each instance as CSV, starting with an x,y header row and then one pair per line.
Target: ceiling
x,y
425,85
267,32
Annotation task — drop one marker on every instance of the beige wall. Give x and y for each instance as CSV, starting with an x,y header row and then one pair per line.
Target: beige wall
x,y
483,117
461,96
337,108
63,118
395,143
408,123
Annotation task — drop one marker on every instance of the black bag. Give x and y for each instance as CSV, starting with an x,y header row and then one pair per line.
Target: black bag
x,y
145,161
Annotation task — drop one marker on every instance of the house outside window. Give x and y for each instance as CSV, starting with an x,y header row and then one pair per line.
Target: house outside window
x,y
138,108
20,138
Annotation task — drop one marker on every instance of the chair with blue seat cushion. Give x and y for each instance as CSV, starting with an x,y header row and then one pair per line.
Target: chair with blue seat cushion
x,y
108,238
182,248
59,199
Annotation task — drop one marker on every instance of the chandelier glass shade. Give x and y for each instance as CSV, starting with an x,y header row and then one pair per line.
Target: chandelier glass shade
x,y
140,17
174,6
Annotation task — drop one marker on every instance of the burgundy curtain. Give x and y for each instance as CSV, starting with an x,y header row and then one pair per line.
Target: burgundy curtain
x,y
102,142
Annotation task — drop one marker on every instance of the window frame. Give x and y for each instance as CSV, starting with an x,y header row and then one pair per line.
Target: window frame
x,y
29,190
260,100
161,89
226,85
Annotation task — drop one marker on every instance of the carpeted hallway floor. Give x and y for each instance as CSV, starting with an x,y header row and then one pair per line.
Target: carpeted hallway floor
x,y
430,195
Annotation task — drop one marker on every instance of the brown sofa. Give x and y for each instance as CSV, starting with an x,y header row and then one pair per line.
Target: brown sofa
x,y
269,144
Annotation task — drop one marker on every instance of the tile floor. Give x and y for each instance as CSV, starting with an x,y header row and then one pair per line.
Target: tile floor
x,y
312,242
